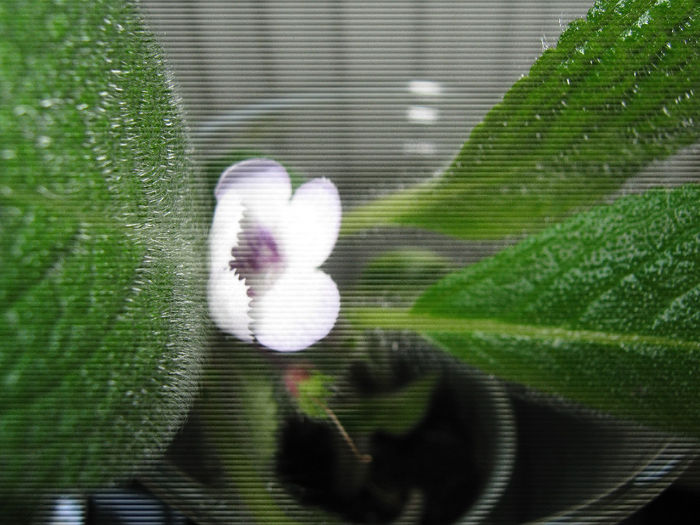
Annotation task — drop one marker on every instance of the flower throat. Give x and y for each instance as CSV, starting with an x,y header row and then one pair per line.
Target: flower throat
x,y
256,258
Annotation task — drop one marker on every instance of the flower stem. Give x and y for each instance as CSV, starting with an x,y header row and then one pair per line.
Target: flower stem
x,y
386,210
364,458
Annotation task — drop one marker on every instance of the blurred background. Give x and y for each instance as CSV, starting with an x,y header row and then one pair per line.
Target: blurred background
x,y
372,94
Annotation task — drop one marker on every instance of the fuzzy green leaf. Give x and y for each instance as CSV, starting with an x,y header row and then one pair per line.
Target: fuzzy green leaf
x,y
241,418
602,309
100,317
619,91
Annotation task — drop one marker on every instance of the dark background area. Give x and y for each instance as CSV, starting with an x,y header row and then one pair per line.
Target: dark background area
x,y
677,505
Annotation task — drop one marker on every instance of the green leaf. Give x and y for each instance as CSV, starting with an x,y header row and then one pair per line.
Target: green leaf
x,y
619,91
313,394
240,414
100,318
395,412
602,310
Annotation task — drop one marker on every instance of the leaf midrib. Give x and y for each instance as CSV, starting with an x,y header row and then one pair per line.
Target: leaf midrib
x,y
401,319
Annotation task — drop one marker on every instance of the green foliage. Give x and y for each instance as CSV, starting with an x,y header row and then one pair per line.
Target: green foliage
x,y
618,91
602,309
100,322
313,394
240,414
397,411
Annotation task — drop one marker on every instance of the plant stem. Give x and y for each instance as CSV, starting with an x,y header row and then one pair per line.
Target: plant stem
x,y
364,458
401,319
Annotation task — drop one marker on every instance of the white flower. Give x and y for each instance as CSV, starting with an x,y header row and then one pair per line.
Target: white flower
x,y
265,247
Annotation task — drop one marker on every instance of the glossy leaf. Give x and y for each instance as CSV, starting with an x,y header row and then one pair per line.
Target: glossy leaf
x,y
100,322
618,92
602,310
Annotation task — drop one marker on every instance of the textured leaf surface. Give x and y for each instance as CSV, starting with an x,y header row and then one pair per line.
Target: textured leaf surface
x,y
602,309
99,326
619,91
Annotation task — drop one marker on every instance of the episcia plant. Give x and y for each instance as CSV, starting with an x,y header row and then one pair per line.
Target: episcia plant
x,y
600,304
101,328
105,270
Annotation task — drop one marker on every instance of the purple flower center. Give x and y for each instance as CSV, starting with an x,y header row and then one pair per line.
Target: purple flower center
x,y
255,257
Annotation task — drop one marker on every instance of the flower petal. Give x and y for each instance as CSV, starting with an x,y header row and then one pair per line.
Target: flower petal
x,y
229,304
312,224
263,186
225,228
298,310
